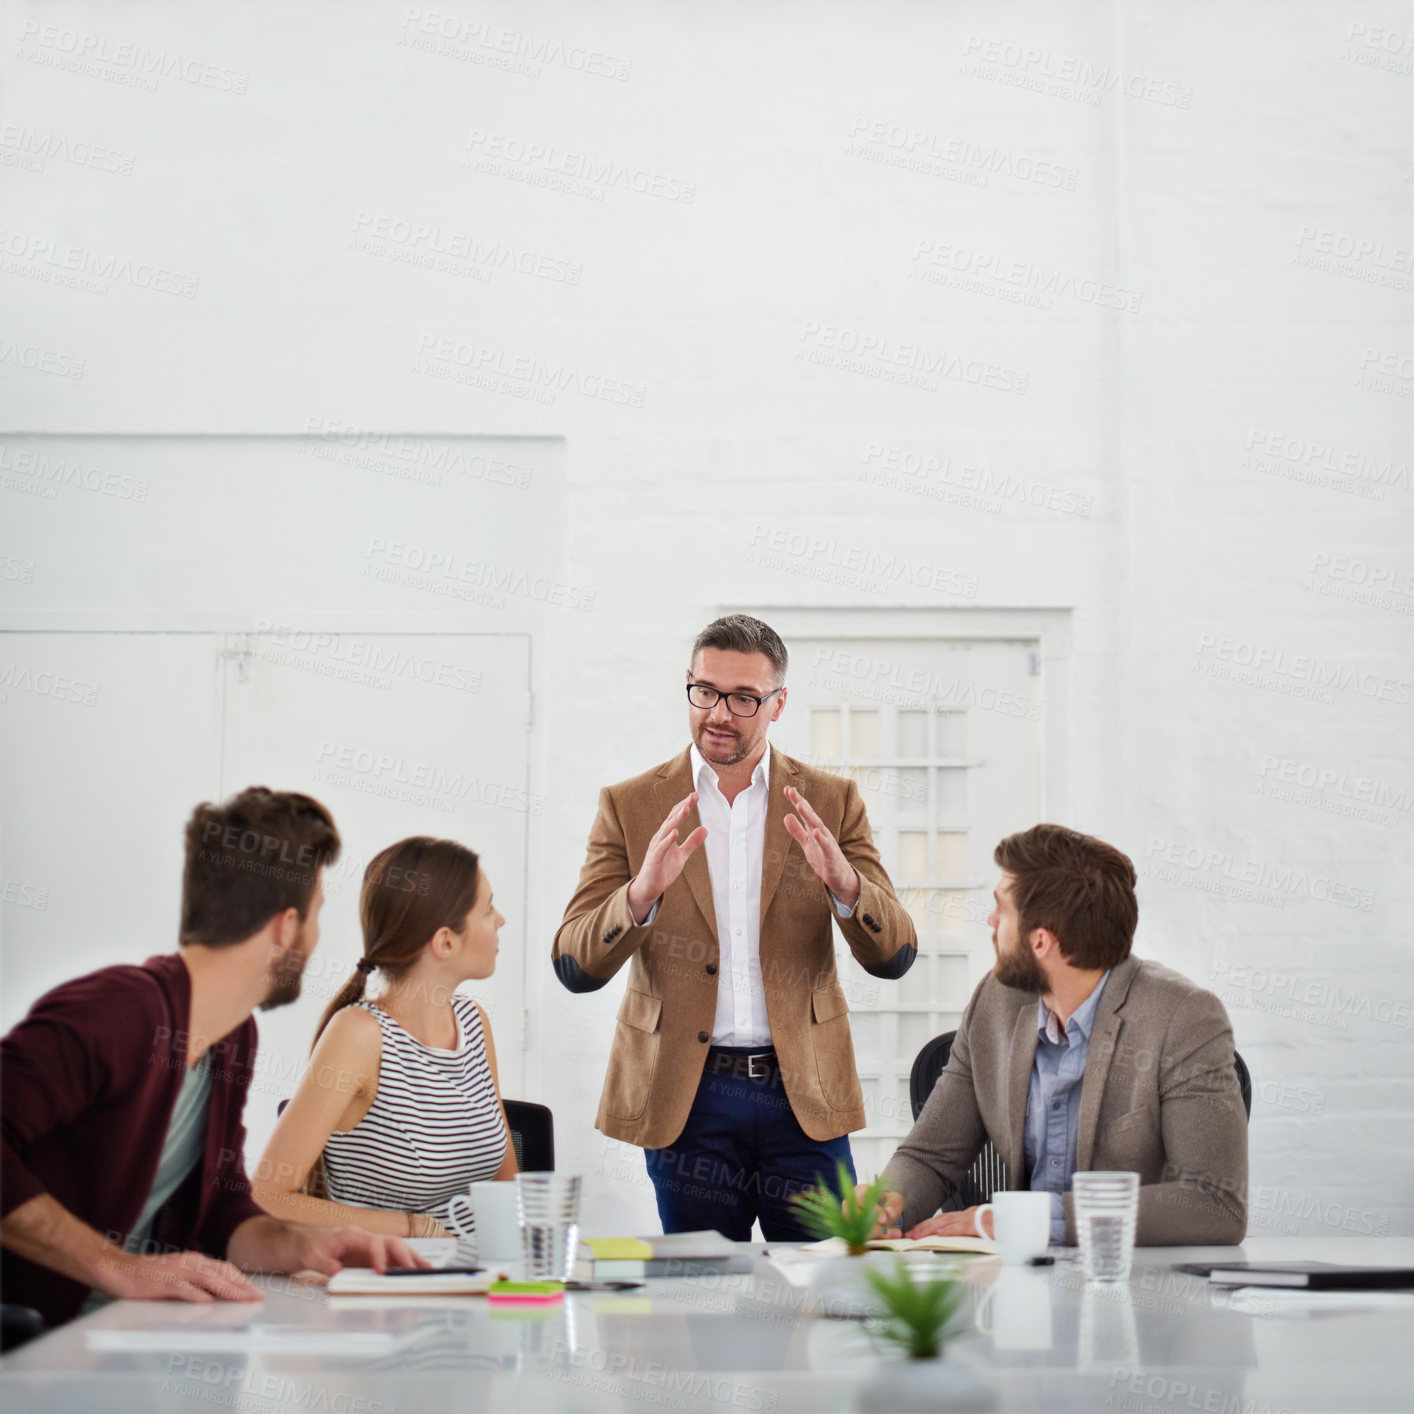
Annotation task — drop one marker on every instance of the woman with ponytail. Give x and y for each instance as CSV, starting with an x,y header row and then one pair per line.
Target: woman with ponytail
x,y
400,1108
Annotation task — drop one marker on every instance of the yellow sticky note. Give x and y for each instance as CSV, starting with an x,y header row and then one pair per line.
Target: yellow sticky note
x,y
618,1249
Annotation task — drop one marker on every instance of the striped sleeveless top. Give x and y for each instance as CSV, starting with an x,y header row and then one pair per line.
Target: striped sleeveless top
x,y
434,1127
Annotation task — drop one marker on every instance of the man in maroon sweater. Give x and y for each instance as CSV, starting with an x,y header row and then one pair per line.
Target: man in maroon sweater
x,y
121,1092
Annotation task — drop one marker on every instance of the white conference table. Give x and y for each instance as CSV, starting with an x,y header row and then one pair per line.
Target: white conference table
x,y
1037,1339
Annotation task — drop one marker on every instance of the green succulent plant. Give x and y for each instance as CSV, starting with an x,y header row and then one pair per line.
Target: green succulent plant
x,y
922,1314
829,1212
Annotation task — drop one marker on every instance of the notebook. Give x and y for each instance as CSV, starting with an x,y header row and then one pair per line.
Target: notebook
x,y
364,1281
976,1246
1311,1276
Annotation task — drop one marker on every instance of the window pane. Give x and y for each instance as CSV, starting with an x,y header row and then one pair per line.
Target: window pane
x,y
864,735
864,1027
952,910
910,786
952,792
951,976
952,733
869,779
912,733
913,854
825,735
950,856
916,903
915,1030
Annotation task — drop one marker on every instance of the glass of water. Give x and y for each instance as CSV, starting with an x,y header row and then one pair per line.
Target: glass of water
x,y
548,1207
1106,1210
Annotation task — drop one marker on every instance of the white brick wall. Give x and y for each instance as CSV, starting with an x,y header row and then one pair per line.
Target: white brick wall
x,y
835,156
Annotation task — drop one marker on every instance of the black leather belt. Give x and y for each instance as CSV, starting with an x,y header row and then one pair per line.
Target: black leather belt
x,y
753,1065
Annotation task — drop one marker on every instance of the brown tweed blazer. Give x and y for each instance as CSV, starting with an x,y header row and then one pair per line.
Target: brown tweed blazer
x,y
1159,1098
665,1020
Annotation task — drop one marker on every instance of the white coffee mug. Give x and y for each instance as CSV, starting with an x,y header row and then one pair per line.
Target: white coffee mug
x,y
1022,1220
486,1216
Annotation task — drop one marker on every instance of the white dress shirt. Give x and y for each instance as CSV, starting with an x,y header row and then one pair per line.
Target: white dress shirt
x,y
736,845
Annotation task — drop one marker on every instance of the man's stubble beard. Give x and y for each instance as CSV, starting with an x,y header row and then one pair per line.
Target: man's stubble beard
x,y
285,983
739,754
1020,970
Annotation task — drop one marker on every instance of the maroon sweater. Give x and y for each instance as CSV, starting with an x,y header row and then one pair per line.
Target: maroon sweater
x,y
87,1084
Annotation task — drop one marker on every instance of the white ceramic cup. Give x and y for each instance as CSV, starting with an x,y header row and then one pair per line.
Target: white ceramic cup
x,y
1022,1220
486,1216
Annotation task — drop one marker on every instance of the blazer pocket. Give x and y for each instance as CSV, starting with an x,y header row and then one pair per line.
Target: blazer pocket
x,y
834,1051
640,1010
634,1058
827,1002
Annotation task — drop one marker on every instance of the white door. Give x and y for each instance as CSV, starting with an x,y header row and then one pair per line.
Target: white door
x,y
943,738
107,741
397,734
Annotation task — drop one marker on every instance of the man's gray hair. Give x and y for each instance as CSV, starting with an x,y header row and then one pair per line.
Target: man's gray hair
x,y
740,633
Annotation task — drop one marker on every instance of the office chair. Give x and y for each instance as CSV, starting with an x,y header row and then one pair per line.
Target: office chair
x,y
19,1324
988,1173
532,1134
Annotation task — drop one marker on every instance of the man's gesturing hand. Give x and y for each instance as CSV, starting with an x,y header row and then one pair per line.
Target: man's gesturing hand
x,y
664,860
822,850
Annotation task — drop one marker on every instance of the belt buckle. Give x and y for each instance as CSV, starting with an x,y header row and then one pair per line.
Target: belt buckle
x,y
751,1067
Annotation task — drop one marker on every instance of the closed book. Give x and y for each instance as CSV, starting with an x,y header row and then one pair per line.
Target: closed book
x,y
1312,1276
674,1254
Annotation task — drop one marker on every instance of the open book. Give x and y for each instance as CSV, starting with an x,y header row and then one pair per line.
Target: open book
x,y
978,1246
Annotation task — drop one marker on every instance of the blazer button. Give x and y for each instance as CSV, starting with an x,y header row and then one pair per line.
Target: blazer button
x,y
703,1036
711,969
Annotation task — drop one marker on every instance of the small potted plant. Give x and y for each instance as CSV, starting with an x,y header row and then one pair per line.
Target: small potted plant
x,y
922,1314
842,1213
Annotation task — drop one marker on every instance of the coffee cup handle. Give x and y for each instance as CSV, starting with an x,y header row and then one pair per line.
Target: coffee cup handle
x,y
463,1227
977,1221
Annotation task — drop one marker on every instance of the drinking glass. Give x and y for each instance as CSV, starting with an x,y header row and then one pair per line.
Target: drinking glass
x,y
548,1207
1106,1211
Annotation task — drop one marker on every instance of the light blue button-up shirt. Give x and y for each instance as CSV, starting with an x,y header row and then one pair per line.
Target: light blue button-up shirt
x,y
1053,1103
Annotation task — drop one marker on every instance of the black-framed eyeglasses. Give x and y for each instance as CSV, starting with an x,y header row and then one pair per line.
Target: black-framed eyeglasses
x,y
739,704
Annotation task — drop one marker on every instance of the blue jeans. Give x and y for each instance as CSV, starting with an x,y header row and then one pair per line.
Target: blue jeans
x,y
740,1157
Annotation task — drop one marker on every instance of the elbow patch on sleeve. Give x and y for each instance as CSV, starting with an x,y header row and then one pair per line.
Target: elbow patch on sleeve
x,y
891,970
574,977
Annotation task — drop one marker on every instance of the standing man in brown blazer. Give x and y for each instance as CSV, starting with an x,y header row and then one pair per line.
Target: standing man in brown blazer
x,y
732,1064
1075,1055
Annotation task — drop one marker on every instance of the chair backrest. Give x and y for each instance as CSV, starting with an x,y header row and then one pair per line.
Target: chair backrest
x,y
532,1134
988,1172
1244,1079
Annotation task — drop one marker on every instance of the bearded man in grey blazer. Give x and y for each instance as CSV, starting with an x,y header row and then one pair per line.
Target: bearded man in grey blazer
x,y
1074,1055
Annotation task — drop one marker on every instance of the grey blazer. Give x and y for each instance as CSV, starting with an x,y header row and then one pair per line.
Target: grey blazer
x,y
1159,1098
